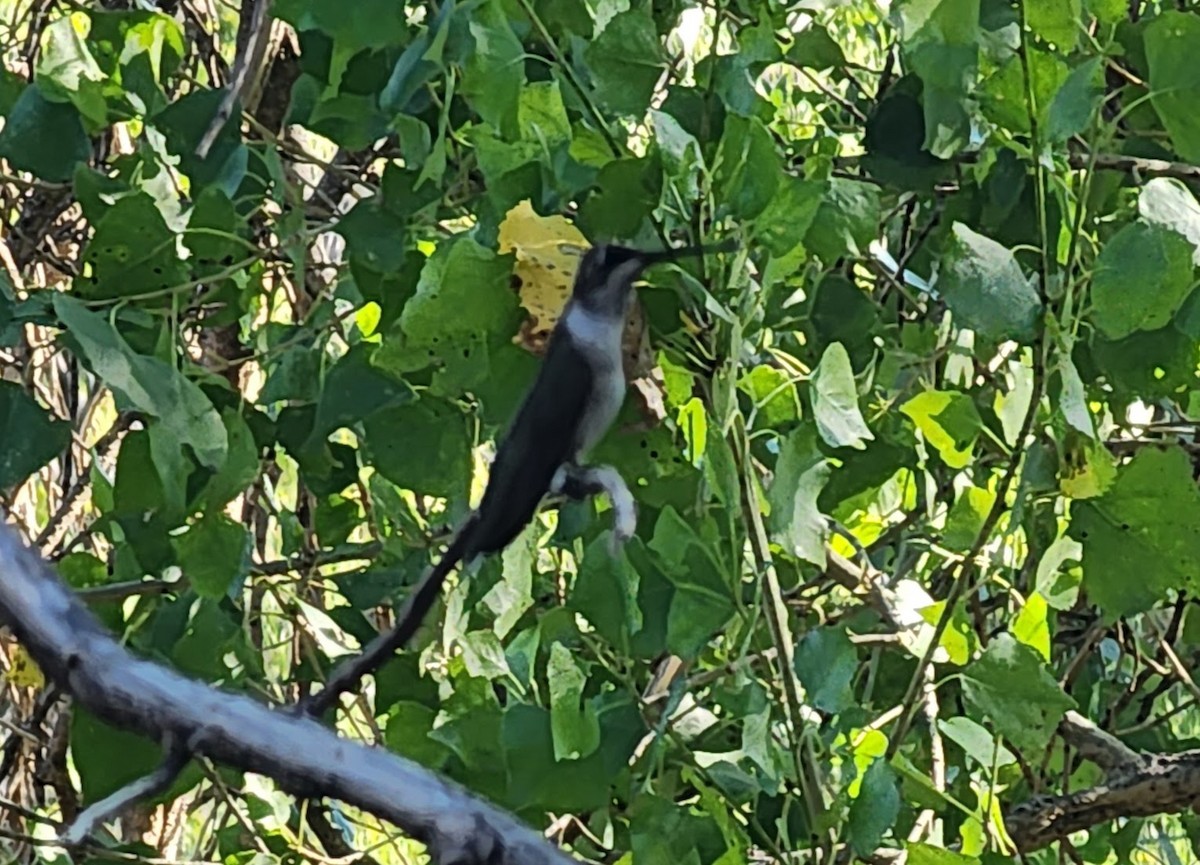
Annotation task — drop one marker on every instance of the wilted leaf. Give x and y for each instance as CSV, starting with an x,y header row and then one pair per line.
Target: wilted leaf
x,y
547,251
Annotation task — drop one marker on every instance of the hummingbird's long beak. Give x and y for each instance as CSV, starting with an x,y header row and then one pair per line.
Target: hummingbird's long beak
x,y
648,258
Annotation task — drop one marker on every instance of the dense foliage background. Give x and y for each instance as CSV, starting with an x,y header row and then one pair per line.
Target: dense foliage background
x,y
252,370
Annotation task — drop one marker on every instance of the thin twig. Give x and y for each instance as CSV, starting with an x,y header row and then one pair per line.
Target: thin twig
x,y
249,58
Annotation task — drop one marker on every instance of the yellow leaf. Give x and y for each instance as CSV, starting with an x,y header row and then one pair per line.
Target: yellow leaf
x,y
24,672
547,250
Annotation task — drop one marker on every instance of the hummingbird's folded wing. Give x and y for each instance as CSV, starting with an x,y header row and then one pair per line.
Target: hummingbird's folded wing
x,y
538,441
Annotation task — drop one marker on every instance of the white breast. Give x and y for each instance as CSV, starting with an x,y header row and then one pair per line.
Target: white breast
x,y
599,338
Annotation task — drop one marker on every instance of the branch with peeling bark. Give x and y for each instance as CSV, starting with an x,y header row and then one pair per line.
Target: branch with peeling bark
x,y
302,755
1137,784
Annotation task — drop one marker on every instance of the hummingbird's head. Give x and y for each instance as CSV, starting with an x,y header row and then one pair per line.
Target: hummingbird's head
x,y
604,281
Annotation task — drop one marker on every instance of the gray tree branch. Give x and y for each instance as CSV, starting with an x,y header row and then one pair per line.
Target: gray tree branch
x,y
302,755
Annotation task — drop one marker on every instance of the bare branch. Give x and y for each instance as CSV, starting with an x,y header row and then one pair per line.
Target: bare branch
x,y
1167,783
302,755
110,807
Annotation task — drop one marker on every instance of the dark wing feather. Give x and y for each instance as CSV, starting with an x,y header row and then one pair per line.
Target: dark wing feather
x,y
537,442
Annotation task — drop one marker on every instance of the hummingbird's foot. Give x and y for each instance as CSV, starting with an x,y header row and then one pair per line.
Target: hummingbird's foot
x,y
578,482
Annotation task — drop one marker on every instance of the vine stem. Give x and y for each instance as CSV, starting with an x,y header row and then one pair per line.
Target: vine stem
x,y
781,637
586,97
961,579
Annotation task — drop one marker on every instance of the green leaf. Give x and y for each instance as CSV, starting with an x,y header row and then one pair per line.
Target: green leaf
x,y
835,401
814,48
483,656
626,60
1011,688
185,121
539,782
606,594
365,24
875,809
894,138
210,634
140,50
928,854
214,554
106,758
422,447
977,742
966,518
45,138
748,170
1059,575
682,156
1032,627
407,734
471,725
663,831
463,294
625,192
240,467
846,222
1003,94
1058,22
541,114
355,389
132,252
949,421
513,594
67,72
138,489
1148,525
1143,275
940,41
146,383
1073,402
212,231
1076,103
985,288
702,604
494,73
1166,202
32,436
573,721
826,662
692,421
774,395
1171,40
784,223
800,474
